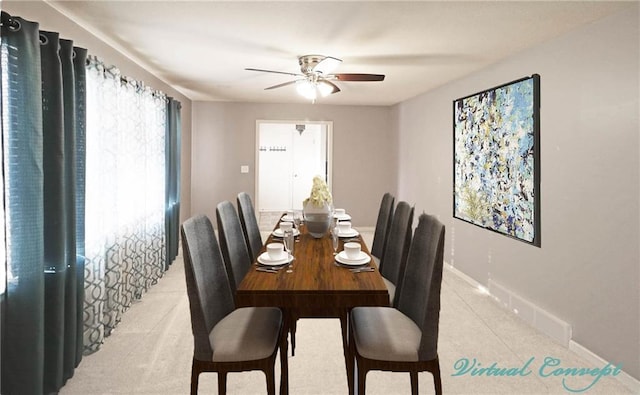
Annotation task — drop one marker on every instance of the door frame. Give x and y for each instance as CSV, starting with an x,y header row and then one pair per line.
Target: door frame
x,y
329,158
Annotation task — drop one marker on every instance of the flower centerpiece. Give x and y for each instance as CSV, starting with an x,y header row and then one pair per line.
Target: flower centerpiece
x,y
317,209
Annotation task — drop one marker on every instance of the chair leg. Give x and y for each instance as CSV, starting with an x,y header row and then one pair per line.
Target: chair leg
x,y
222,383
437,380
414,382
195,374
362,375
271,380
351,373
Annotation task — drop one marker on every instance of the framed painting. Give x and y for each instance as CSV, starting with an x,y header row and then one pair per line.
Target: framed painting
x,y
496,164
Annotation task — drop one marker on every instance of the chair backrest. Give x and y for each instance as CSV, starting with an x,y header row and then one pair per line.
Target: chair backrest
x,y
232,243
249,224
383,224
208,287
393,261
419,297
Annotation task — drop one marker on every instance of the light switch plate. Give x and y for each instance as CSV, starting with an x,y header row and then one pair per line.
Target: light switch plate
x,y
244,169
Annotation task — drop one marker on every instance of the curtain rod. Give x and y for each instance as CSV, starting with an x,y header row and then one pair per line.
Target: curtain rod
x,y
10,21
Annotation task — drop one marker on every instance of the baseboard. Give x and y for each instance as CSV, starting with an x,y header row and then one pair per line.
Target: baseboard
x,y
535,316
366,228
532,314
543,321
466,278
625,378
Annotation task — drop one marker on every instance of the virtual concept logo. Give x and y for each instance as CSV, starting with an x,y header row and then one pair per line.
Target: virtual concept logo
x,y
550,367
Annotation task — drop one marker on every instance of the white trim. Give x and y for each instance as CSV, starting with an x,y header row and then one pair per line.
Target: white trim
x,y
561,331
625,378
463,276
542,320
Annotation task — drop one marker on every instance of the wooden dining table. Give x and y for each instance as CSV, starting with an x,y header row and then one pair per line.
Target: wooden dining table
x,y
315,286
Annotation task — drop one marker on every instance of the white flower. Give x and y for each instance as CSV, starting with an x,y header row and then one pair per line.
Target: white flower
x,y
319,193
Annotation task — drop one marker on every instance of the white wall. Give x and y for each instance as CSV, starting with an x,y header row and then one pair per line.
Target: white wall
x,y
364,153
587,269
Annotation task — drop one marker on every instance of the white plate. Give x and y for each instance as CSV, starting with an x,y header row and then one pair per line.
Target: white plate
x,y
278,232
362,260
264,259
351,233
343,217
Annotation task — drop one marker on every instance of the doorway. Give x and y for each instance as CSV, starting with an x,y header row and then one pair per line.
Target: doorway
x,y
288,155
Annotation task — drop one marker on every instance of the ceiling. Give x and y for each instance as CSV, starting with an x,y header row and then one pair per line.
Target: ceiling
x,y
202,48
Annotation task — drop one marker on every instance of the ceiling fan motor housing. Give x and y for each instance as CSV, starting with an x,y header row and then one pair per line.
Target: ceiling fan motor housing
x,y
309,62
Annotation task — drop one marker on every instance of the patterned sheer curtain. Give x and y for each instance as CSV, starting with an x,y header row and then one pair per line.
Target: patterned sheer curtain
x,y
125,198
112,160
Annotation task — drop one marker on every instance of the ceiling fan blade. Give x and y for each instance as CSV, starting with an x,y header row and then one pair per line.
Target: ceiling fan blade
x,y
281,85
359,77
334,86
272,71
327,65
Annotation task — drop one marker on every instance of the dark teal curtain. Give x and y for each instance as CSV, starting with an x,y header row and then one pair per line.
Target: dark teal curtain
x,y
22,322
172,191
42,136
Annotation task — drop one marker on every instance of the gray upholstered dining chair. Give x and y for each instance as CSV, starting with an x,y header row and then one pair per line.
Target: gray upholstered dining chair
x,y
393,261
383,224
236,253
232,243
249,223
405,339
226,338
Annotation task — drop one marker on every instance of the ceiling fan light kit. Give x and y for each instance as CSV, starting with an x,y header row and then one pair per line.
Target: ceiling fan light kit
x,y
316,76
306,89
310,89
324,88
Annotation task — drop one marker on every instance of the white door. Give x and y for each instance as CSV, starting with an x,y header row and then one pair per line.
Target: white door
x,y
309,159
275,164
289,155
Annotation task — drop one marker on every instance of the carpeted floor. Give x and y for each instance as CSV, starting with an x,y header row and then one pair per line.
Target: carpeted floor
x,y
150,352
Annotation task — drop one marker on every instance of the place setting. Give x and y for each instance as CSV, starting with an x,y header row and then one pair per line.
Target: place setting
x,y
283,227
288,217
294,216
344,229
354,258
275,258
340,215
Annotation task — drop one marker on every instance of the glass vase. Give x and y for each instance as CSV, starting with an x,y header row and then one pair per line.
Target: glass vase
x,y
317,219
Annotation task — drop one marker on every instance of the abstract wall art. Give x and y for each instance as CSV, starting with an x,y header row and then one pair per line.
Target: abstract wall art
x,y
497,159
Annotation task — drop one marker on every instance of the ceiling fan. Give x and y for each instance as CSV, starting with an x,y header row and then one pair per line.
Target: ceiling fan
x,y
316,76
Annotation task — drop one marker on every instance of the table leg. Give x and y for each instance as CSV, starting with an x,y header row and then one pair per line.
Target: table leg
x,y
293,321
344,323
284,353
